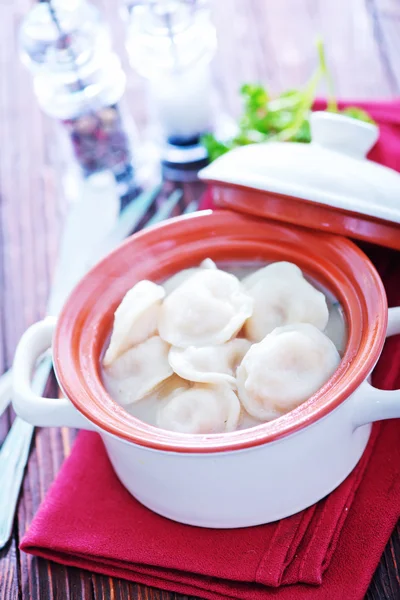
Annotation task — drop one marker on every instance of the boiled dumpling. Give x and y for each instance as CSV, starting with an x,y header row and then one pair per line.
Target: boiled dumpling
x,y
135,319
146,408
201,409
281,268
208,308
285,369
171,387
282,296
209,364
138,371
173,282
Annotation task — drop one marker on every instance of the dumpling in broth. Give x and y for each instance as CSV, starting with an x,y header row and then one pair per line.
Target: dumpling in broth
x,y
173,282
135,319
282,296
201,409
285,369
171,387
139,371
208,308
209,364
146,408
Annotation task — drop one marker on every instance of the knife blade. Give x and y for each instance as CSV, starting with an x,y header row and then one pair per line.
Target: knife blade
x,y
5,391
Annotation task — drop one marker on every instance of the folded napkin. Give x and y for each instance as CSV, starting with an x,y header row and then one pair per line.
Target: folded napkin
x,y
328,551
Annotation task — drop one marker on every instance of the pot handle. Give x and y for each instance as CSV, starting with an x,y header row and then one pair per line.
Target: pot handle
x,y
373,404
29,405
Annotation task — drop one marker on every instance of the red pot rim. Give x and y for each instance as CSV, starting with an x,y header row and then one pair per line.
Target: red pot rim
x,y
306,213
156,253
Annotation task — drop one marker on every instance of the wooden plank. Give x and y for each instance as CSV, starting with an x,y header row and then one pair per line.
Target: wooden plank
x,y
385,16
9,572
30,225
263,44
386,581
107,588
353,50
9,568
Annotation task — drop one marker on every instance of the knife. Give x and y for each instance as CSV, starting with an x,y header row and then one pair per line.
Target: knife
x,y
89,221
5,390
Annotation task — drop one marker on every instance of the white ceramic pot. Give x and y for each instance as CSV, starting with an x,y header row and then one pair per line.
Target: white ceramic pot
x,y
241,478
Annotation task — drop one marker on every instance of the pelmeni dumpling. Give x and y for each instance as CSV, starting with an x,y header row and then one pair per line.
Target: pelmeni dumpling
x,y
209,364
146,408
138,371
135,319
207,309
201,409
285,369
173,282
282,296
171,387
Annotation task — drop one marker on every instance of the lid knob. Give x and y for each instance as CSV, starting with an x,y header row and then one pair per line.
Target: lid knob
x,y
343,134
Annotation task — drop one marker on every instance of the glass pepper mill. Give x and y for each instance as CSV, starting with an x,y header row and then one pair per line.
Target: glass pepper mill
x,y
171,43
79,81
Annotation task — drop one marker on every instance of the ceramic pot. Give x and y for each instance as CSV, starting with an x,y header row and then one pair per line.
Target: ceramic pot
x,y
236,479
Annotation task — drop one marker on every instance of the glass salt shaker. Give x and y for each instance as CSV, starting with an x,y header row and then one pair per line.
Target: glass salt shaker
x,y
79,81
171,43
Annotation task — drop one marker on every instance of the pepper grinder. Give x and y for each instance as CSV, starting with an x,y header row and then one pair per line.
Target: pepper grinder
x,y
79,81
171,43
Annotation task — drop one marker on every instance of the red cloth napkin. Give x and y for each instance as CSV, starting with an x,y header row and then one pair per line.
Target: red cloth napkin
x,y
328,551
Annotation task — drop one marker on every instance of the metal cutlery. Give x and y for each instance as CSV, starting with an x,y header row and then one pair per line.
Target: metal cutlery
x,y
5,390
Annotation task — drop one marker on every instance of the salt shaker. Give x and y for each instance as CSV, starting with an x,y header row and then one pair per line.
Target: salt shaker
x,y
171,43
78,80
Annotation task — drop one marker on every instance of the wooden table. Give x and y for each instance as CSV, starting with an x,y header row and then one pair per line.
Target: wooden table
x,y
260,40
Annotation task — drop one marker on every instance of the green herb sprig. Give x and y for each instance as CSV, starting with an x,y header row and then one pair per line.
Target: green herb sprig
x,y
284,118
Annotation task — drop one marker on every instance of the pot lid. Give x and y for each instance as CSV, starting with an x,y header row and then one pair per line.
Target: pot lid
x,y
328,184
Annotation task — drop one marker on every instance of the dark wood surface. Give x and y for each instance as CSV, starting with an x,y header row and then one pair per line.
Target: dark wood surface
x,y
261,40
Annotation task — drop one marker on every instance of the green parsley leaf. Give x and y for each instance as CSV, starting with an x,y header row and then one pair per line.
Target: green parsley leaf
x,y
284,118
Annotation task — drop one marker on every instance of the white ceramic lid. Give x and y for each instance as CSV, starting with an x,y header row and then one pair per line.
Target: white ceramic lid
x,y
332,170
